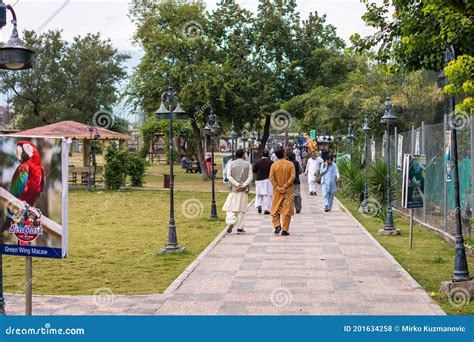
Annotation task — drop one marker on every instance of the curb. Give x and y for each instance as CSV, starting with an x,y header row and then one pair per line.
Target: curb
x,y
187,272
404,273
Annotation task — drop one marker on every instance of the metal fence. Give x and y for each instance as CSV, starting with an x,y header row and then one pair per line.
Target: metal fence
x,y
439,193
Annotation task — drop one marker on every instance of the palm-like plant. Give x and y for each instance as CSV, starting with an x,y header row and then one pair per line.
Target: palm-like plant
x,y
352,180
378,184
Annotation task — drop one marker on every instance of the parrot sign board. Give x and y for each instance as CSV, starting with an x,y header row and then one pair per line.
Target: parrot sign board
x,y
34,196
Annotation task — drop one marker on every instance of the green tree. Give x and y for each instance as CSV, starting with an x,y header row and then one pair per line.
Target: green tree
x,y
417,35
69,81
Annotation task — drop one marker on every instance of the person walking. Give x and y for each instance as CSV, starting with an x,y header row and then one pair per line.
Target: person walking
x,y
313,167
239,174
282,175
329,177
263,187
296,183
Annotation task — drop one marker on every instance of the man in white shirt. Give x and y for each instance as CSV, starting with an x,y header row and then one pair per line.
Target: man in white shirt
x,y
239,174
313,167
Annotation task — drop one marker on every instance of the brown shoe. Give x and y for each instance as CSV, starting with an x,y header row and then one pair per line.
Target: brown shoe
x,y
277,230
284,233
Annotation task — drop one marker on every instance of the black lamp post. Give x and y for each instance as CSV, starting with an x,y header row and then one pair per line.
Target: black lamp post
x,y
366,130
461,269
388,119
252,139
212,129
166,112
244,139
92,129
350,137
14,55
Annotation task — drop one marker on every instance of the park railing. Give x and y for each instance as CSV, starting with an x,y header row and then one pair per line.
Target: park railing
x,y
430,140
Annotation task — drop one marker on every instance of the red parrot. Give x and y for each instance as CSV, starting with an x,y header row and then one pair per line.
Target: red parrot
x,y
28,180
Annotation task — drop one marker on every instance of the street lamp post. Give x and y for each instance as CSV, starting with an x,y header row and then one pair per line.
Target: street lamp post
x,y
388,119
461,270
244,140
168,113
91,129
14,55
350,136
212,129
366,131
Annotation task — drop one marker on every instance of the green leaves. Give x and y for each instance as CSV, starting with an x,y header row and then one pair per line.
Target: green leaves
x,y
69,81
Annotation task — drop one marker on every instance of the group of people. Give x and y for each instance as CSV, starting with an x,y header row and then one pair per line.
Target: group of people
x,y
277,185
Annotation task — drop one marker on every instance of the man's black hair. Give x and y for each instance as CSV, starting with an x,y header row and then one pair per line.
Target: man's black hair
x,y
280,153
266,154
239,153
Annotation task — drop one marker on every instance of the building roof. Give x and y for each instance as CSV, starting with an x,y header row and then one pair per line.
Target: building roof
x,y
73,130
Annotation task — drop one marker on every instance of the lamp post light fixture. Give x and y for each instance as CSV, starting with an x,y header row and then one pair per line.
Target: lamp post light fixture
x,y
14,55
366,130
167,112
388,119
211,130
350,137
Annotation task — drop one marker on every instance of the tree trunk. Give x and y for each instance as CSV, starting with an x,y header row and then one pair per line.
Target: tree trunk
x,y
265,136
200,149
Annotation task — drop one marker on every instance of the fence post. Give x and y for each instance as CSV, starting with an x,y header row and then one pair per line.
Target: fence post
x,y
423,151
445,184
395,147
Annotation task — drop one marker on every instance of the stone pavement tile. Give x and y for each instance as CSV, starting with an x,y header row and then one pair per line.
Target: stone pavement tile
x,y
232,308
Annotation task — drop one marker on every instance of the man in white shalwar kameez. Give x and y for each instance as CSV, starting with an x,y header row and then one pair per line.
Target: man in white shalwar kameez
x,y
313,167
263,187
239,174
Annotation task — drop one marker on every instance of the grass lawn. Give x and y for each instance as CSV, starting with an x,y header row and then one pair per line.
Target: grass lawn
x,y
430,262
114,239
183,181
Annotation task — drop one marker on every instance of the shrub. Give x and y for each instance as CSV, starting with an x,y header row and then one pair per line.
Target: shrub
x,y
353,180
136,168
115,171
378,184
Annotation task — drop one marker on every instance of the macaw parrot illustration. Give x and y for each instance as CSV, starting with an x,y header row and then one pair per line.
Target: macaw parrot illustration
x,y
28,181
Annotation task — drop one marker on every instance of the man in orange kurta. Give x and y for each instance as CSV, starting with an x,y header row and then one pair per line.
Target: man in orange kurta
x,y
282,175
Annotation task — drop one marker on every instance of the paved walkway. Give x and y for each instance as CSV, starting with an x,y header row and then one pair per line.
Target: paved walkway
x,y
329,265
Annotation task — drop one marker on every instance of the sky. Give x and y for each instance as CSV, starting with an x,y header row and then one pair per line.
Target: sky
x,y
110,17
